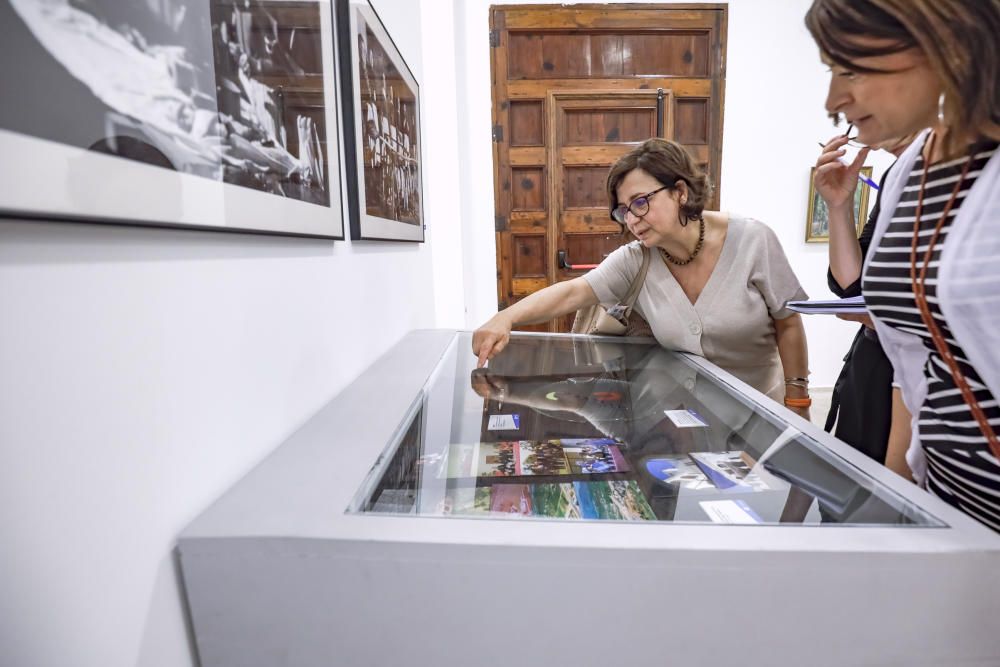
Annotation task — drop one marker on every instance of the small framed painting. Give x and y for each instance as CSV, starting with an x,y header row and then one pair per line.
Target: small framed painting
x,y
208,115
818,219
381,111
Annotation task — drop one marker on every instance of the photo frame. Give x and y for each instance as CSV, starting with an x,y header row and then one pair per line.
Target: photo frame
x,y
382,144
818,217
204,115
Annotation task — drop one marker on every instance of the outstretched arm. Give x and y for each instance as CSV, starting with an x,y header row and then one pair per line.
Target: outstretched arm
x,y
542,306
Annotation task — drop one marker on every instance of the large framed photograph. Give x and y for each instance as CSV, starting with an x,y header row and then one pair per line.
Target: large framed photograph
x,y
818,218
213,114
381,110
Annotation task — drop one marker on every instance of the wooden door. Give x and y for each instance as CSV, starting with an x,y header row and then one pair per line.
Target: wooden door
x,y
588,132
574,87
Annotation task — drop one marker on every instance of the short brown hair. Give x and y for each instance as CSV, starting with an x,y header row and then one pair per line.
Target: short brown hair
x,y
668,162
958,37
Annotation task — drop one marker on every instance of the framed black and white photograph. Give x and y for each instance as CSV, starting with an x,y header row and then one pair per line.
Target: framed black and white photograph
x,y
381,110
215,114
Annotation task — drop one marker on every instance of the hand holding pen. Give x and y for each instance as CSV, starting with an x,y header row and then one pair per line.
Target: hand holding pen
x,y
835,178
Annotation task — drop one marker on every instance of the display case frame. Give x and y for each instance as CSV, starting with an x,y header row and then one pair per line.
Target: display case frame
x,y
276,569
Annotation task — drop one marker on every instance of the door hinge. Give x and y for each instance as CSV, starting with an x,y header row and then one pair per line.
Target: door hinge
x,y
499,223
494,38
498,133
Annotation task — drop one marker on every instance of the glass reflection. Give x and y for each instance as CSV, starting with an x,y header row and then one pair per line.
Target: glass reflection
x,y
561,427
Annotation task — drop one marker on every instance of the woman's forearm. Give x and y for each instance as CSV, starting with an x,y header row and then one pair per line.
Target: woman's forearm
x,y
845,251
554,301
793,351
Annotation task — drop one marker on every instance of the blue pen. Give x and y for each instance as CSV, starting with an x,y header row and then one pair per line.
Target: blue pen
x,y
870,182
861,177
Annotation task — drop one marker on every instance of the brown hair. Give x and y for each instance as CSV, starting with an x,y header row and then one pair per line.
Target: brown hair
x,y
958,38
668,162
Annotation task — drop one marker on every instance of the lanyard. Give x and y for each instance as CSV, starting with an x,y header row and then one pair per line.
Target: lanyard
x,y
920,294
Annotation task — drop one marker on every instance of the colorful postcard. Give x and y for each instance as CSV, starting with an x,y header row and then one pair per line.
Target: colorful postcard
x,y
559,456
511,499
465,501
547,457
498,459
617,500
585,457
555,500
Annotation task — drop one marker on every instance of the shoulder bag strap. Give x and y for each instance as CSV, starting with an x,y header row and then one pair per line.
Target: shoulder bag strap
x,y
636,286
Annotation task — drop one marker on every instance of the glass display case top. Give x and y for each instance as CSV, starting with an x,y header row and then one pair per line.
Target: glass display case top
x,y
576,428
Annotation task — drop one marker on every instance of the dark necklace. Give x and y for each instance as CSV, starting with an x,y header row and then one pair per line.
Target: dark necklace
x,y
701,241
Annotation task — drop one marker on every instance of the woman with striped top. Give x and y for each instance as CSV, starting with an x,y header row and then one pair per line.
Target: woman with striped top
x,y
932,278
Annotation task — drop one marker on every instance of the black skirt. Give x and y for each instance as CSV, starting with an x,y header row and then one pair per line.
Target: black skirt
x,y
861,405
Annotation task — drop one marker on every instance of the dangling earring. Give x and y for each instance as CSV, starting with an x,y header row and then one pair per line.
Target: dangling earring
x,y
941,108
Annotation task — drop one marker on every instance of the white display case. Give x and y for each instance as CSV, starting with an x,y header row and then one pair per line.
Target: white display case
x,y
580,501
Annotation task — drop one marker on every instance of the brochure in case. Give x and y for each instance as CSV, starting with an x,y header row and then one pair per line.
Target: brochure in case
x,y
613,500
563,456
678,470
731,471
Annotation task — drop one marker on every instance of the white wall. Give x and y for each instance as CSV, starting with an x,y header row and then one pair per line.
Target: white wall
x,y
774,117
143,371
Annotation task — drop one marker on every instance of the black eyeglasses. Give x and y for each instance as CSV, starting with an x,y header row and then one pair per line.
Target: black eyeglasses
x,y
638,206
851,141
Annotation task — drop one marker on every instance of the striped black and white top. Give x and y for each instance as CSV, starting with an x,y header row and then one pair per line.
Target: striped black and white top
x,y
960,467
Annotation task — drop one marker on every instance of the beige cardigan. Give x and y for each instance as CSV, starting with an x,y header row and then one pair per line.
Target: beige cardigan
x,y
731,323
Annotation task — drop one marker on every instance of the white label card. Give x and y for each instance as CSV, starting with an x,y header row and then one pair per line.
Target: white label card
x,y
504,423
729,511
686,418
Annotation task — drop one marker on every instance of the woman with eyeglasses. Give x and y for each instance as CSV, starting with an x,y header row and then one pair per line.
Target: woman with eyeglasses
x,y
716,286
931,280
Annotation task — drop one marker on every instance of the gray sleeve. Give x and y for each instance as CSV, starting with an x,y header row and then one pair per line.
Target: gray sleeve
x,y
772,274
612,277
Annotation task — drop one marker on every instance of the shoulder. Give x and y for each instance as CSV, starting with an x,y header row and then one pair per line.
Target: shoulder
x,y
629,253
752,230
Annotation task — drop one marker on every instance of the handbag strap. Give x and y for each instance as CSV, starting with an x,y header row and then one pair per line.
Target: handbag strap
x,y
636,286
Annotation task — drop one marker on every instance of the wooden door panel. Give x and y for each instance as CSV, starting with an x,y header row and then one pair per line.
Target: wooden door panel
x,y
527,156
618,17
583,187
604,155
578,212
530,89
527,119
691,120
573,90
527,189
574,55
584,247
528,221
590,220
598,126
